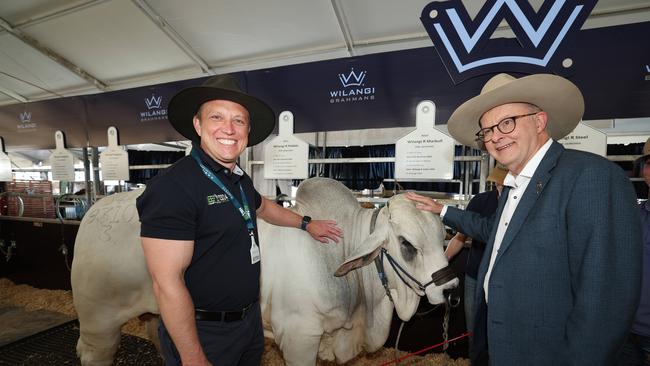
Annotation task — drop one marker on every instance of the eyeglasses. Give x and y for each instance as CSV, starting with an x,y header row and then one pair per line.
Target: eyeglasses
x,y
505,126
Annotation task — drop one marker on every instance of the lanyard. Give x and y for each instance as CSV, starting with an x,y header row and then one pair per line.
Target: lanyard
x,y
245,210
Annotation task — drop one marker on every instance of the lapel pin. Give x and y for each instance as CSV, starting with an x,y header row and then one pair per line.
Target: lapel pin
x,y
538,187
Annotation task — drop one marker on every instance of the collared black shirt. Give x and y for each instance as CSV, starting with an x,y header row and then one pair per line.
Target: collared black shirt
x,y
181,203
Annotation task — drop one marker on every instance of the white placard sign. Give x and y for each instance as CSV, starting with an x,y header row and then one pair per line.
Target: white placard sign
x,y
114,161
61,160
425,153
586,138
286,156
5,164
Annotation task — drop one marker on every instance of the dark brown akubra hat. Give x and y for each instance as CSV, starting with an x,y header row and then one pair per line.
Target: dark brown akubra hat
x,y
184,105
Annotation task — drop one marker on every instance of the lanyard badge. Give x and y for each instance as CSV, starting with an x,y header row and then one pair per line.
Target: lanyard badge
x,y
255,250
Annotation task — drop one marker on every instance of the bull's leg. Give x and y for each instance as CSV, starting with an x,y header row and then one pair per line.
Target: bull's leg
x,y
348,342
99,331
98,341
298,340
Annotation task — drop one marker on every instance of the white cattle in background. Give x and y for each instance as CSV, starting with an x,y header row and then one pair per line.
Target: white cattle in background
x,y
306,309
310,312
110,281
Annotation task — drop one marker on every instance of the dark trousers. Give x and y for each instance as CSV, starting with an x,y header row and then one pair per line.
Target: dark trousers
x,y
238,343
636,351
479,355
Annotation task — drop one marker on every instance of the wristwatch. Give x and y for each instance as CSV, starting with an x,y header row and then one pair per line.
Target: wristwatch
x,y
305,220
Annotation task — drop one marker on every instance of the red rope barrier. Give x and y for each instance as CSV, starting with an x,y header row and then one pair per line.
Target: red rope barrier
x,y
425,349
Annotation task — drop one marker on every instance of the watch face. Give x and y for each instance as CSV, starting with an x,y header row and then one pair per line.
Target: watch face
x,y
305,221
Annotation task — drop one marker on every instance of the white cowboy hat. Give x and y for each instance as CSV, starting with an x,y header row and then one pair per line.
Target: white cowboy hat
x,y
555,95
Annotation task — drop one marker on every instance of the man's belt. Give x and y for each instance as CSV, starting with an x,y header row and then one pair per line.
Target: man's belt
x,y
223,316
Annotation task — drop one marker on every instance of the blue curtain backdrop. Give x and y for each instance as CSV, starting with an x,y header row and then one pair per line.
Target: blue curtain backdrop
x,y
138,157
359,176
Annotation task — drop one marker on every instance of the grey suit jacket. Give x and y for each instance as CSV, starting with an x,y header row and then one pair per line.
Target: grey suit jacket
x,y
565,284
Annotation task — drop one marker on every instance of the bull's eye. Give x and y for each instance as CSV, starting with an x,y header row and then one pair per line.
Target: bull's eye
x,y
408,250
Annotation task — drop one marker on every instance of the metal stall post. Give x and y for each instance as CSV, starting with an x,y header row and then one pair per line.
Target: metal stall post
x,y
90,193
484,165
467,176
98,187
245,161
318,154
322,172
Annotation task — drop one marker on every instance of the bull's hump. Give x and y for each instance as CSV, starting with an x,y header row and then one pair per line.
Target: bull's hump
x,y
327,194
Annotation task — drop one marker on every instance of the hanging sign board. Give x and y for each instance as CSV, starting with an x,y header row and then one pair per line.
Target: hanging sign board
x,y
286,156
61,160
425,153
5,164
114,161
586,138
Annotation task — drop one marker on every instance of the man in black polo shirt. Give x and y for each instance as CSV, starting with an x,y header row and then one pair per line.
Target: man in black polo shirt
x,y
199,234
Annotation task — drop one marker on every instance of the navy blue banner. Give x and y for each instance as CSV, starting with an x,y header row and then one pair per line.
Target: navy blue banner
x,y
371,91
140,114
30,126
610,65
613,71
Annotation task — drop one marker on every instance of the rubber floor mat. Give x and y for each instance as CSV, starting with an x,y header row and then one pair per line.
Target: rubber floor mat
x,y
56,347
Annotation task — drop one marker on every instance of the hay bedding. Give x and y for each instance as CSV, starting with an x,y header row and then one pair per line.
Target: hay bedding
x,y
61,301
54,300
272,356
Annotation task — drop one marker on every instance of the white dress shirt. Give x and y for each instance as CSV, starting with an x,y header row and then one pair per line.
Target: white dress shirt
x,y
517,186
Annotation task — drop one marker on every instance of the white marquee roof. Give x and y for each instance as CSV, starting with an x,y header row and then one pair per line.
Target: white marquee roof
x,y
53,48
56,48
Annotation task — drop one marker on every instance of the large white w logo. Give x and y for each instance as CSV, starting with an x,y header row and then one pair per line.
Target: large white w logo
x,y
535,35
457,37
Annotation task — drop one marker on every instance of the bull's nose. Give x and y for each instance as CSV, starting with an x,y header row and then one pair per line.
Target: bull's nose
x,y
437,294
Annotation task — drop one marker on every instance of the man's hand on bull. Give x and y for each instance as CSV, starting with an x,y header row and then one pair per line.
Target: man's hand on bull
x,y
322,230
425,203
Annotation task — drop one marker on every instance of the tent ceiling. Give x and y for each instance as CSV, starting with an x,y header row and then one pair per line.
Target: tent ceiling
x,y
52,48
62,48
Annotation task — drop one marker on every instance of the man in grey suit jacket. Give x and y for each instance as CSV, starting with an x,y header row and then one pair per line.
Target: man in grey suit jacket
x,y
559,281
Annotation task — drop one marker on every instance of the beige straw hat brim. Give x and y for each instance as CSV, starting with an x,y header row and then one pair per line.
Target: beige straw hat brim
x,y
555,95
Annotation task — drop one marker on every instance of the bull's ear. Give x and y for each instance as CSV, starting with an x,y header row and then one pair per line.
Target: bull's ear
x,y
368,250
355,263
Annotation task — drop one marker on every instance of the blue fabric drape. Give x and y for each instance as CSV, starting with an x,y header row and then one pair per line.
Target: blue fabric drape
x,y
358,176
138,157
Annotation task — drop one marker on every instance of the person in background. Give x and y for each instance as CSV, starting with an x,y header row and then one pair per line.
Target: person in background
x,y
485,203
562,271
199,232
636,351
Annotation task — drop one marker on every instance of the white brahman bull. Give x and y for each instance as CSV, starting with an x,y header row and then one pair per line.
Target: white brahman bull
x,y
110,281
311,313
306,309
